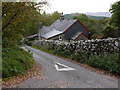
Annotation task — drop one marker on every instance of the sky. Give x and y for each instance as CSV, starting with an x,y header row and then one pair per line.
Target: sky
x,y
80,6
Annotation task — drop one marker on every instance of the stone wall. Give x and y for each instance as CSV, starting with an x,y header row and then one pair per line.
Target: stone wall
x,y
90,46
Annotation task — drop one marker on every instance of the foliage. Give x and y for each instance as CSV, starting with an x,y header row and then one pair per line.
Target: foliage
x,y
106,61
82,17
112,29
48,19
115,19
96,17
68,16
62,52
20,19
29,43
15,61
79,56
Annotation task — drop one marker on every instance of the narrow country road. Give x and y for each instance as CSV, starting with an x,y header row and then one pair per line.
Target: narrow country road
x,y
59,73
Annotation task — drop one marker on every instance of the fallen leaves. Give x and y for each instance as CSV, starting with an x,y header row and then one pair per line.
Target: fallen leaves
x,y
111,79
40,77
61,84
97,81
23,77
78,77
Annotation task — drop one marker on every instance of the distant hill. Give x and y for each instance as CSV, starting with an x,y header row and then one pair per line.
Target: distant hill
x,y
96,17
103,14
70,16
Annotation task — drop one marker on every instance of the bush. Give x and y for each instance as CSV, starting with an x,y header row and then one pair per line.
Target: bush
x,y
106,61
79,56
60,51
15,61
29,43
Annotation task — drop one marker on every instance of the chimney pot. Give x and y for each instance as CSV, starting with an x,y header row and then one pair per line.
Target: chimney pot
x,y
61,17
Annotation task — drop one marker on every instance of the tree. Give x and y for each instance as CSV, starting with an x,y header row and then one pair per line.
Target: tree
x,y
48,19
54,16
20,19
115,19
45,19
82,18
112,29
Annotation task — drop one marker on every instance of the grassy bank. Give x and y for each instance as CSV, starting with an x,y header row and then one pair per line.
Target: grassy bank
x,y
15,61
104,61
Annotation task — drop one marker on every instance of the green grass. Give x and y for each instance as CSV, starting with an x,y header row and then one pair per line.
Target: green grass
x,y
104,61
15,61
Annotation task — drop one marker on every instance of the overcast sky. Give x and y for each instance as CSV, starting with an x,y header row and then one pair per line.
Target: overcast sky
x,y
80,6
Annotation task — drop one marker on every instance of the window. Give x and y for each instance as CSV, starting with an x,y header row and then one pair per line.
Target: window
x,y
60,38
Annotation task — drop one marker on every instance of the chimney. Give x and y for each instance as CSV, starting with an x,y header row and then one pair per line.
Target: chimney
x,y
61,17
40,25
39,28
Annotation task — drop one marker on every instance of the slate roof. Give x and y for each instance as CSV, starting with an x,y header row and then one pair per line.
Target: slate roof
x,y
58,27
76,35
63,24
45,29
51,33
32,36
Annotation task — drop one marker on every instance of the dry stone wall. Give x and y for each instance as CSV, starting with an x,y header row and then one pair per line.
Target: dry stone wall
x,y
90,46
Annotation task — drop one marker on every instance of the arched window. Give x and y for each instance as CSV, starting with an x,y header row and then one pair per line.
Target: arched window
x,y
60,38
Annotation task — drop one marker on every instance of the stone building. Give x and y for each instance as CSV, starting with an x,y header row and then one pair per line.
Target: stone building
x,y
63,29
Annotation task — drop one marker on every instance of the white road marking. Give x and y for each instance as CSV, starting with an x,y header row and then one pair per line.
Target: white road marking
x,y
63,69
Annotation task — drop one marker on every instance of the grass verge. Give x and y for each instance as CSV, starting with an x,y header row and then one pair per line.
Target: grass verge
x,y
23,77
15,61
